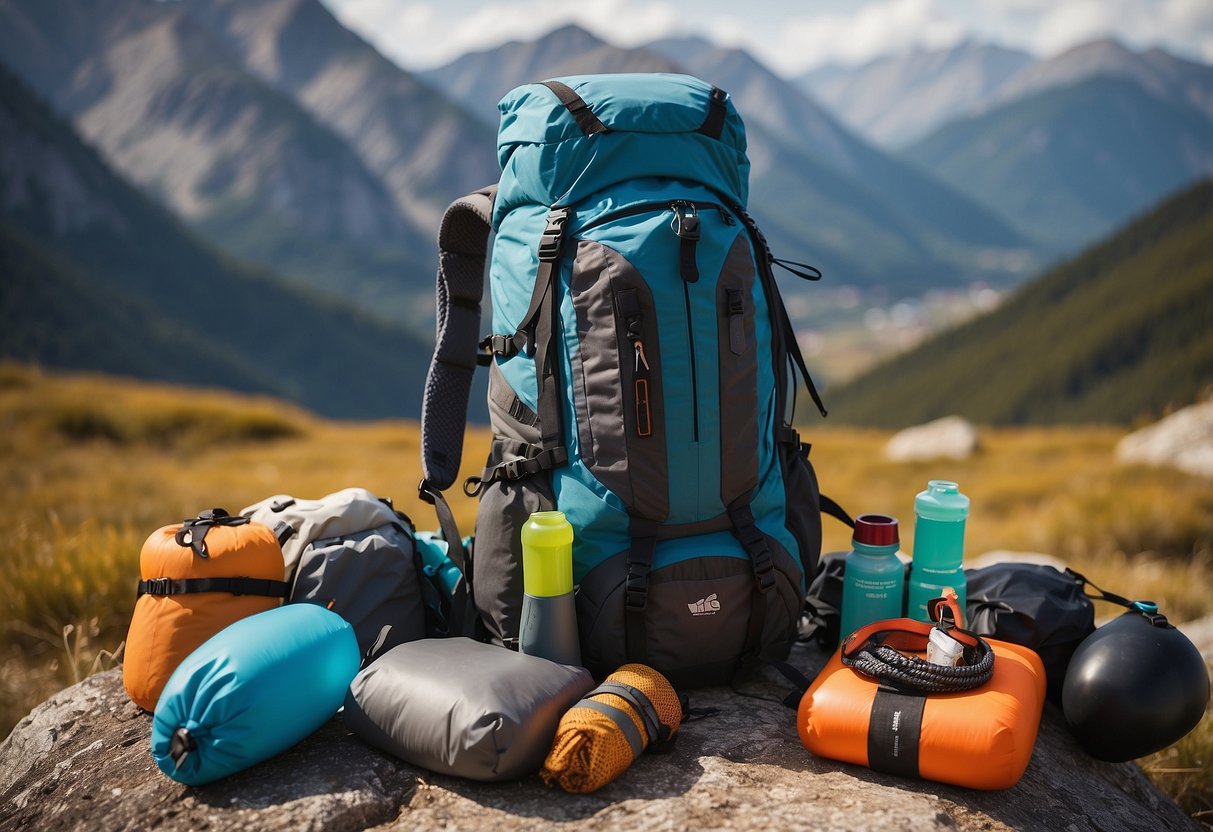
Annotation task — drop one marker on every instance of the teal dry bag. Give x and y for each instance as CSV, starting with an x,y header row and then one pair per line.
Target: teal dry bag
x,y
252,691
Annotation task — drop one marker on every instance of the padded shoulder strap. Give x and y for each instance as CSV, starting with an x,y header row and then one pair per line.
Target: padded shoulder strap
x,y
462,246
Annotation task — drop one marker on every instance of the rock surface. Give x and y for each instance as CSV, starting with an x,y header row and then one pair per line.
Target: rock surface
x,y
81,761
952,437
1183,440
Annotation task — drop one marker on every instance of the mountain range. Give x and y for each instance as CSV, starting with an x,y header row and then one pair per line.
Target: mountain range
x,y
1064,148
257,149
98,277
1121,332
820,192
897,99
244,152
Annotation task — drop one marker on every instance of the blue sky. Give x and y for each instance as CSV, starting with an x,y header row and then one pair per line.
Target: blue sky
x,y
789,36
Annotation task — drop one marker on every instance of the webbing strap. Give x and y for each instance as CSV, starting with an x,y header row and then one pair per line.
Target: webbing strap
x,y
462,247
830,506
232,586
192,532
638,700
636,588
755,544
575,104
620,718
894,729
517,469
541,327
446,523
713,124
459,621
784,334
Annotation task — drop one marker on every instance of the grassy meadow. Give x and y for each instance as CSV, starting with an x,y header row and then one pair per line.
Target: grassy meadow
x,y
90,466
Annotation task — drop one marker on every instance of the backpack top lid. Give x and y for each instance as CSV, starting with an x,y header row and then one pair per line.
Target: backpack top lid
x,y
653,128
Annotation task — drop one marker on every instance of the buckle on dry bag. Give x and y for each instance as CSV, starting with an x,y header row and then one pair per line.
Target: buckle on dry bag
x,y
158,586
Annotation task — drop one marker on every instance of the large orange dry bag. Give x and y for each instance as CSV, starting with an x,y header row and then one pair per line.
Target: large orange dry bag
x,y
981,738
197,577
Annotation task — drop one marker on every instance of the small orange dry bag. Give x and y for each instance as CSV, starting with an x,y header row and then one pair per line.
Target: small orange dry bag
x,y
980,737
198,577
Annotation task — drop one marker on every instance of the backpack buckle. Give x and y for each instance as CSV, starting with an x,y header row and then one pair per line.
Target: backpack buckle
x,y
552,239
158,586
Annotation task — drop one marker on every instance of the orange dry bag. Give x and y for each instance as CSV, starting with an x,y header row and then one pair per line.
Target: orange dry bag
x,y
902,720
197,577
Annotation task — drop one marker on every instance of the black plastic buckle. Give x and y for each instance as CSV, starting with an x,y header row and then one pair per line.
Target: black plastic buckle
x,y
552,239
636,587
764,569
159,586
736,303
425,493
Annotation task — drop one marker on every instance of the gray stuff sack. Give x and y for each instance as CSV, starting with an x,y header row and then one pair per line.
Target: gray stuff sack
x,y
352,553
460,707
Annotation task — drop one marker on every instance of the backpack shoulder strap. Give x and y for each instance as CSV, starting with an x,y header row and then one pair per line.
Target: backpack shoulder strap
x,y
462,247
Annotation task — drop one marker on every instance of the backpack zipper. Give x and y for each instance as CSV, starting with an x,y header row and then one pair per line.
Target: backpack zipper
x,y
629,309
686,227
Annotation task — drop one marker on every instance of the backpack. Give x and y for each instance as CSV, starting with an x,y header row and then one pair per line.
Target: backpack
x,y
196,578
354,554
642,378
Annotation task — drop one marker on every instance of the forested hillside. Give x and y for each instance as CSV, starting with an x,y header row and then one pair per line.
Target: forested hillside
x,y
1118,333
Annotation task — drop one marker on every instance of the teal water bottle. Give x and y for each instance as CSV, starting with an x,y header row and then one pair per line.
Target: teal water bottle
x,y
939,535
874,581
549,612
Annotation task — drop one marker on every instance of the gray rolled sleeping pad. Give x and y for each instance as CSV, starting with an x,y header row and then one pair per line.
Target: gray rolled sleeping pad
x,y
457,706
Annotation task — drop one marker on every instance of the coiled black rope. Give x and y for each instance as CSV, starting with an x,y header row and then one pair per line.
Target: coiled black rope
x,y
885,664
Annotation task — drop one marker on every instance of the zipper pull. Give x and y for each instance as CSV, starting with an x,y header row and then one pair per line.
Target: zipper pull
x,y
640,385
641,361
686,220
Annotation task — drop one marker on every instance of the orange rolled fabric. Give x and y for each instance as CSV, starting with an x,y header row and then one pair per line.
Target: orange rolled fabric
x,y
190,591
599,738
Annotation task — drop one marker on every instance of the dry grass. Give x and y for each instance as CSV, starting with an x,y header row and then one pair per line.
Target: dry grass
x,y
90,466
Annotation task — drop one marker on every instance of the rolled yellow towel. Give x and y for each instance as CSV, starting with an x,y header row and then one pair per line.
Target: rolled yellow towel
x,y
610,727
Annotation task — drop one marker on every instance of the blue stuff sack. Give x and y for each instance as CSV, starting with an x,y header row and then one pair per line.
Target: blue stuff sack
x,y
252,691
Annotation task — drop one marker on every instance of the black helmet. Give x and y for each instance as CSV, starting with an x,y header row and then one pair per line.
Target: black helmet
x,y
1134,686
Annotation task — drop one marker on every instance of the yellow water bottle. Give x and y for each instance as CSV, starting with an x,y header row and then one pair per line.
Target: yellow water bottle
x,y
549,611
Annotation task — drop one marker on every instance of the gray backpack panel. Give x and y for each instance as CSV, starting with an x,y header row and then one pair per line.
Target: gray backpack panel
x,y
457,706
369,579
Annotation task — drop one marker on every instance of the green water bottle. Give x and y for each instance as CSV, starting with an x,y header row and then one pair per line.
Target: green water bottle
x,y
939,534
549,613
874,581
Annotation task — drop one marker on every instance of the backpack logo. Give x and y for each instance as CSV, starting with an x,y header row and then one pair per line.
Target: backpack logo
x,y
705,606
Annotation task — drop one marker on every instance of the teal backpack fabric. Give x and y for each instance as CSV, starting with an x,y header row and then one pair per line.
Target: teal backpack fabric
x,y
642,378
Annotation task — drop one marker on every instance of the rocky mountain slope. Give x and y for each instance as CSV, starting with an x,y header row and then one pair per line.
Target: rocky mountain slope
x,y
97,277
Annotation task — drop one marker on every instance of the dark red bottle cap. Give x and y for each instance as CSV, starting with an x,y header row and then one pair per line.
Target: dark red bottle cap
x,y
876,530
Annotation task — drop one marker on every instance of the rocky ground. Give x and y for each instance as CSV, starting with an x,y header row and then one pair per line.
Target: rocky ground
x,y
81,761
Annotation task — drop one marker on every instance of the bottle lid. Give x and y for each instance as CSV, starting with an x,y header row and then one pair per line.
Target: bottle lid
x,y
941,500
876,530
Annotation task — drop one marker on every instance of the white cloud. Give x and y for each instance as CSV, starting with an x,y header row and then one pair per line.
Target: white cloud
x,y
860,33
420,35
788,37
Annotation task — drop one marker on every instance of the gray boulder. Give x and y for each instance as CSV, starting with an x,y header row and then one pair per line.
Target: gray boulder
x,y
1183,440
952,437
81,761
